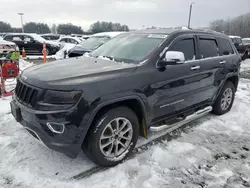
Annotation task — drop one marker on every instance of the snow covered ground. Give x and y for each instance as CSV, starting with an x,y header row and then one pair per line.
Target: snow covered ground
x,y
214,152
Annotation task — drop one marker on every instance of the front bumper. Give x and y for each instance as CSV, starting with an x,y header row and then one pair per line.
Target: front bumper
x,y
68,142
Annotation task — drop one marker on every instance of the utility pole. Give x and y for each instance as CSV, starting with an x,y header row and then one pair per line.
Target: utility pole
x,y
190,14
21,15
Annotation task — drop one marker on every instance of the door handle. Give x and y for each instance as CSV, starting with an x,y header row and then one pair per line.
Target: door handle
x,y
222,62
195,67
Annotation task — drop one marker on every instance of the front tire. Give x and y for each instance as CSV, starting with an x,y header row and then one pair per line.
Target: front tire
x,y
112,137
224,102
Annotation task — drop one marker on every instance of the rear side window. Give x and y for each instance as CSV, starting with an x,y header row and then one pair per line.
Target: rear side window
x,y
64,40
8,38
225,47
17,38
208,48
187,47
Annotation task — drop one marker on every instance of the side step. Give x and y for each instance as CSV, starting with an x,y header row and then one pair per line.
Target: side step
x,y
188,119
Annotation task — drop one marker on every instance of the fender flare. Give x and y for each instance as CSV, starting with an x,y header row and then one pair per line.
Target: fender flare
x,y
109,102
230,75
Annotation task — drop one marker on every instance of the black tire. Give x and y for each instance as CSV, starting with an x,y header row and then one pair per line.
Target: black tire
x,y
91,145
217,109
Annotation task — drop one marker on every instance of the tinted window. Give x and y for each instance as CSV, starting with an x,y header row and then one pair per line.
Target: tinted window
x,y
73,41
64,40
187,47
27,38
208,48
225,47
17,38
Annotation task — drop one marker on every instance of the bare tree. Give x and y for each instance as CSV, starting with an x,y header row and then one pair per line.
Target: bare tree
x,y
237,26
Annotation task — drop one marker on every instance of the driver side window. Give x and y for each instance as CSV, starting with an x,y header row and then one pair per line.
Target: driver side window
x,y
185,46
27,39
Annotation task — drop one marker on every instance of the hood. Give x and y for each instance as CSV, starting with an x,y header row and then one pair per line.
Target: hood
x,y
68,73
4,42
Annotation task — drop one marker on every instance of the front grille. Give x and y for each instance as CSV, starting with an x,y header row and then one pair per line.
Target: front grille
x,y
25,94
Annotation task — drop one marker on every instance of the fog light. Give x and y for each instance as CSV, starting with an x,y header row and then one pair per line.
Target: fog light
x,y
57,128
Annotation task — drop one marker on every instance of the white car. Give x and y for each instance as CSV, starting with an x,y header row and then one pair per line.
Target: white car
x,y
6,47
246,41
69,40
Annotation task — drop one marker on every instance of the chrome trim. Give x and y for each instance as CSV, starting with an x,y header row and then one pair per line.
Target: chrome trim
x,y
188,119
39,140
195,68
222,62
53,130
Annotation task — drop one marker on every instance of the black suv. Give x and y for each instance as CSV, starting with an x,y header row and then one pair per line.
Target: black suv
x,y
32,43
133,84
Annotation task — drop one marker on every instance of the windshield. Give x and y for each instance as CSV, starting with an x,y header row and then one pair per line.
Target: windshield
x,y
246,41
130,48
93,42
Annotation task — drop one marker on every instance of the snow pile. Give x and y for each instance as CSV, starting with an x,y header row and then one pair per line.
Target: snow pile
x,y
65,49
245,65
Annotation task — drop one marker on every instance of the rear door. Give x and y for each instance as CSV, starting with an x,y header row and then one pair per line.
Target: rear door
x,y
212,65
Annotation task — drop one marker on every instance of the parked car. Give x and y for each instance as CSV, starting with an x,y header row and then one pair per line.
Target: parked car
x,y
92,43
243,49
69,40
32,43
53,37
6,47
246,41
128,86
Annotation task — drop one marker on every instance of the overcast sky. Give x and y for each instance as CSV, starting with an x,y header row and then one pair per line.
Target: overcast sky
x,y
134,13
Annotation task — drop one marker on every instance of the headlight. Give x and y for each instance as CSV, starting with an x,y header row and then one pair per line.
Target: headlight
x,y
62,97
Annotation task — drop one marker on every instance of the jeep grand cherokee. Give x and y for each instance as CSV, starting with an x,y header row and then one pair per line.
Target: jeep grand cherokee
x,y
137,82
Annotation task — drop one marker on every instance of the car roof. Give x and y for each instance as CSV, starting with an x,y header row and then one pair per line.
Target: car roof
x,y
108,34
69,37
21,34
231,36
169,31
50,34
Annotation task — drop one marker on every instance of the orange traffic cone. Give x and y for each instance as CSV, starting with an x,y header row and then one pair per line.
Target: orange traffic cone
x,y
23,53
44,53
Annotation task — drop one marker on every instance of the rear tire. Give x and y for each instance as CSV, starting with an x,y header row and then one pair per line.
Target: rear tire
x,y
112,137
224,102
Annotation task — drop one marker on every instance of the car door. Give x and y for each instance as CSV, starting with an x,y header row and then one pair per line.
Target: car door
x,y
32,46
212,65
178,86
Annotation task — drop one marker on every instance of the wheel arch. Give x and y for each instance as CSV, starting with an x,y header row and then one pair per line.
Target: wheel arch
x,y
234,78
135,103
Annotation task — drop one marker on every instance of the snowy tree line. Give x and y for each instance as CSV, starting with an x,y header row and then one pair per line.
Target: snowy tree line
x,y
66,29
239,26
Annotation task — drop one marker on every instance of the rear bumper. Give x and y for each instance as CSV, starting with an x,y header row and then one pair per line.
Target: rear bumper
x,y
68,142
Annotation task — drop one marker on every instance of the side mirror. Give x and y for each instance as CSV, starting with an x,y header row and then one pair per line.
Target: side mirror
x,y
172,58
